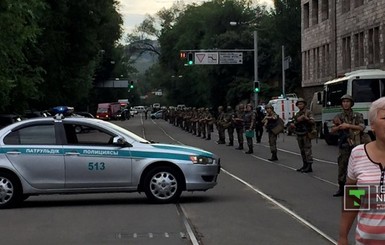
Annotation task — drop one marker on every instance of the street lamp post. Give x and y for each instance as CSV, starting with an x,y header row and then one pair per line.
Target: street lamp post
x,y
255,67
233,23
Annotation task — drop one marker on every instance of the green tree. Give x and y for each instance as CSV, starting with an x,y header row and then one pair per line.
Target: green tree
x,y
19,77
77,37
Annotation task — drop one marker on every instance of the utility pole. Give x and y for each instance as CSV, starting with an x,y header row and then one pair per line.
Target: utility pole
x,y
255,68
283,71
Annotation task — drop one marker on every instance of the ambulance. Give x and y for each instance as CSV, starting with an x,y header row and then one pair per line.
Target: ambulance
x,y
285,106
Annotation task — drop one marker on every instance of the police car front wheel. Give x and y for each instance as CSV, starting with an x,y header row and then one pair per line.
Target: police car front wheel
x,y
163,185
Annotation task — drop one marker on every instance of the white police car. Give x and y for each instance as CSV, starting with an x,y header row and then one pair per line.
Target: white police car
x,y
47,156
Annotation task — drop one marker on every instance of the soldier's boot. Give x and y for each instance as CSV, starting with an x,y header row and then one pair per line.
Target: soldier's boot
x,y
302,168
240,147
308,168
273,156
231,143
250,151
340,191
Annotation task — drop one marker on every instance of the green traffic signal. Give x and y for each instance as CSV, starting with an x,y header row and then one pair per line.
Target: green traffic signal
x,y
131,84
256,87
190,59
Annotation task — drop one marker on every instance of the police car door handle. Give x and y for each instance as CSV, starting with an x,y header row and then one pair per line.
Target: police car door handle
x,y
72,153
14,152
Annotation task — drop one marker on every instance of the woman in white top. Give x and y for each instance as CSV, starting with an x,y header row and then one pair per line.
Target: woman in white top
x,y
367,167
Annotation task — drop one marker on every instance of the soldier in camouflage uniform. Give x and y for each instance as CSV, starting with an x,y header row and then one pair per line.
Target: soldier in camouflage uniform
x,y
209,124
230,125
304,123
238,124
199,122
220,126
203,123
270,121
249,124
348,124
194,118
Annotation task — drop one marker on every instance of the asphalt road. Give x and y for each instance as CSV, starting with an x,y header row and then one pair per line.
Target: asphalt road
x,y
258,201
255,202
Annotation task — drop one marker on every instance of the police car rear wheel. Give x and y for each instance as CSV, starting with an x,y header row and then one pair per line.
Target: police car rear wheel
x,y
10,191
163,185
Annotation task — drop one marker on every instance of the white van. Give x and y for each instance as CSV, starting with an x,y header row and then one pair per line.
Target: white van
x,y
140,108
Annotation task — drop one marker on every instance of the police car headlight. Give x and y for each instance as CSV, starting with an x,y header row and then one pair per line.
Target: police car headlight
x,y
201,160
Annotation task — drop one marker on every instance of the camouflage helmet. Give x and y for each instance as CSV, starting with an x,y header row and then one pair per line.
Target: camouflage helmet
x,y
269,106
300,100
229,108
349,97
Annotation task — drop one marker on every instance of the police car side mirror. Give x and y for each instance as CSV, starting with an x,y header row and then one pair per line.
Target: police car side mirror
x,y
118,140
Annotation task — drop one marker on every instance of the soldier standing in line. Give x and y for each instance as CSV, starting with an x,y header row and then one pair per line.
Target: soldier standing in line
x,y
249,123
220,126
194,121
270,121
209,124
203,123
258,123
348,124
238,124
199,122
303,123
230,125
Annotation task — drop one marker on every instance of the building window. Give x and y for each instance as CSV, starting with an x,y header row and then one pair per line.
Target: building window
x,y
374,45
359,49
346,53
345,6
305,67
325,10
306,15
308,64
314,12
358,3
327,60
318,60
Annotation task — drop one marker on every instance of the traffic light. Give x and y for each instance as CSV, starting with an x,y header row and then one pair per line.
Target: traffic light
x,y
190,58
182,55
257,89
131,84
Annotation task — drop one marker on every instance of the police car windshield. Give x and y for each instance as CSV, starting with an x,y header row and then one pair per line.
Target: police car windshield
x,y
128,133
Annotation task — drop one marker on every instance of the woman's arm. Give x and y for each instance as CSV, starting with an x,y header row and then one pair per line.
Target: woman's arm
x,y
347,219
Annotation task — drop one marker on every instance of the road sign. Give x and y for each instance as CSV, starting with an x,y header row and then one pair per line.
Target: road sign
x,y
206,58
230,58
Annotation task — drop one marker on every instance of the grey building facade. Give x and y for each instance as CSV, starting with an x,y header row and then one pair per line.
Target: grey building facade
x,y
340,36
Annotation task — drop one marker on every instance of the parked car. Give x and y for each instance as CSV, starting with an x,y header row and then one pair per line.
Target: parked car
x,y
7,119
46,156
33,114
157,115
85,114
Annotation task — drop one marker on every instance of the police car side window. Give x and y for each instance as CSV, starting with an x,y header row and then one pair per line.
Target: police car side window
x,y
33,135
89,136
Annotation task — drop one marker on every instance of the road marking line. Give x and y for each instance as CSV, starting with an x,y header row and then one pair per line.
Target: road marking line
x,y
293,214
189,230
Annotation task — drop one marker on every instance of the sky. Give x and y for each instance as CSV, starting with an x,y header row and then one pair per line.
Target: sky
x,y
134,11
